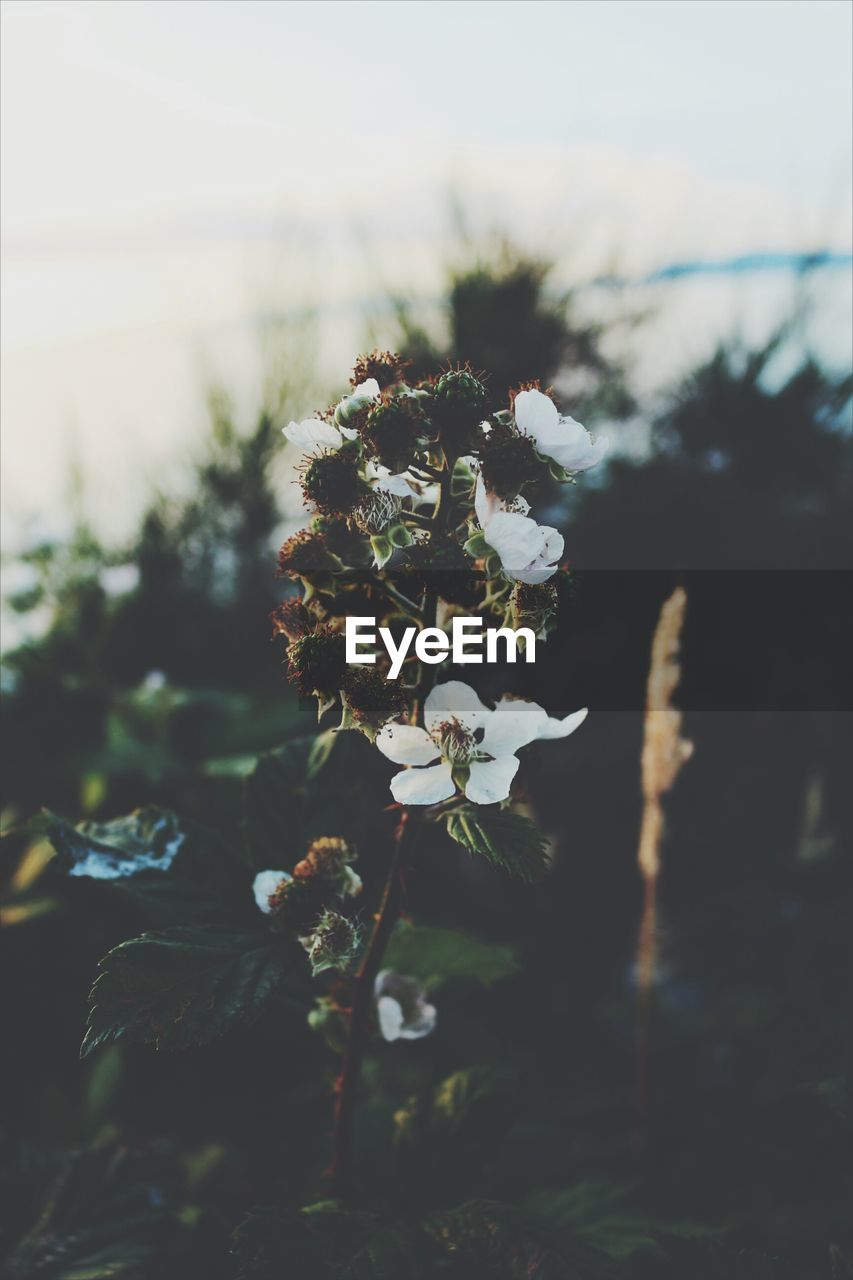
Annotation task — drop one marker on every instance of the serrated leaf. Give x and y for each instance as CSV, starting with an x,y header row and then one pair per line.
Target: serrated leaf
x,y
702,1260
438,954
182,987
507,839
313,1242
109,1215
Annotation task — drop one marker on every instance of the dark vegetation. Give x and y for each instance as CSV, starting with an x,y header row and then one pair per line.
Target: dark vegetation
x,y
529,1159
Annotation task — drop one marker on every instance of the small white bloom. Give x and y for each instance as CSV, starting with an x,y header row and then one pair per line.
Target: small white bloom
x,y
401,1007
265,885
313,435
562,439
460,731
364,394
528,552
379,477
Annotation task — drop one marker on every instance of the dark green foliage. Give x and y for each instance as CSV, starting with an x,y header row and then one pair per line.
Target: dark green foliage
x,y
507,839
183,986
435,955
109,1215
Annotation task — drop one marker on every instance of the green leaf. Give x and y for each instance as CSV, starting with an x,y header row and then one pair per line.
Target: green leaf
x,y
311,1242
147,839
382,548
599,1212
499,1237
474,1103
108,1216
398,535
437,954
477,546
702,1260
182,987
507,839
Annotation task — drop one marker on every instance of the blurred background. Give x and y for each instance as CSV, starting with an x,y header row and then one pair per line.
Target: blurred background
x,y
208,210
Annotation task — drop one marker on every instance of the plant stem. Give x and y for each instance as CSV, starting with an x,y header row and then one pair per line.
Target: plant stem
x,y
362,1001
389,909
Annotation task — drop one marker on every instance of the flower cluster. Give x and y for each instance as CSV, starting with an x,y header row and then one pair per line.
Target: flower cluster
x,y
418,503
308,902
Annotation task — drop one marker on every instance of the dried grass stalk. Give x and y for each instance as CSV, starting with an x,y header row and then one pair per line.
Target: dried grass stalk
x,y
664,753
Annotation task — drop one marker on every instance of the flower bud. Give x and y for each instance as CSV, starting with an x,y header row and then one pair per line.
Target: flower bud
x,y
332,943
459,404
331,481
443,565
316,663
377,511
392,430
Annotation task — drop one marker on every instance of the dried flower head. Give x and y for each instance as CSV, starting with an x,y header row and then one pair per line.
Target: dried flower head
x,y
534,605
291,619
328,860
377,511
316,663
386,367
508,461
371,700
304,552
298,904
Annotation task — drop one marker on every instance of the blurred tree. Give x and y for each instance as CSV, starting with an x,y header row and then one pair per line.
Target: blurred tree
x,y
742,473
503,318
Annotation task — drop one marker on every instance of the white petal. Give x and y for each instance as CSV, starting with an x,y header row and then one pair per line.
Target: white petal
x,y
406,744
313,433
512,725
368,390
536,415
265,883
574,449
454,700
518,540
490,782
398,485
390,1016
553,728
421,1024
423,786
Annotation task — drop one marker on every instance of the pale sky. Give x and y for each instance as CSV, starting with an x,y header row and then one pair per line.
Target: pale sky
x,y
171,169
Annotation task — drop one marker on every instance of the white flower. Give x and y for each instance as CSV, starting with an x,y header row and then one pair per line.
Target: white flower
x,y
562,439
379,477
314,434
462,733
528,551
365,393
265,885
401,1007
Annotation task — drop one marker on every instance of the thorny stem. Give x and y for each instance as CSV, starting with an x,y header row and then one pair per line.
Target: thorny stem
x,y
389,909
362,1000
